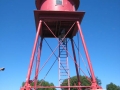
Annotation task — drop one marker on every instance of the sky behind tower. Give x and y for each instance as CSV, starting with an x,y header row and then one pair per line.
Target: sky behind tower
x,y
100,26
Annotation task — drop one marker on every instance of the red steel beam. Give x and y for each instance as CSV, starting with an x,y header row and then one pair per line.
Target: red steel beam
x,y
33,53
64,47
38,62
62,86
86,52
75,63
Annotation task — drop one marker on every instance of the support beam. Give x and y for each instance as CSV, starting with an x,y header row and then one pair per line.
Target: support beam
x,y
38,62
62,86
94,84
73,49
33,53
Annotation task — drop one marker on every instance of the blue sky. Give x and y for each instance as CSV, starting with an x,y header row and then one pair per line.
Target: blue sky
x,y
100,26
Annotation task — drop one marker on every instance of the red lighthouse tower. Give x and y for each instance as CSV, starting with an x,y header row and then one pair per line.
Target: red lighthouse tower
x,y
58,19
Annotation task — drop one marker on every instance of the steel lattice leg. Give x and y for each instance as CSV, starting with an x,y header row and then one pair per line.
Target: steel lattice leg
x,y
94,83
76,64
27,83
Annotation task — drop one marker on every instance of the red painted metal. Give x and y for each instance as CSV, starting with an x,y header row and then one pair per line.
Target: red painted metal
x,y
67,5
63,87
51,17
96,86
56,19
94,83
78,76
33,53
64,47
86,51
38,63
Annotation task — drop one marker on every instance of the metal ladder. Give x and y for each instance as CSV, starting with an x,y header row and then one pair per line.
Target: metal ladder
x,y
63,63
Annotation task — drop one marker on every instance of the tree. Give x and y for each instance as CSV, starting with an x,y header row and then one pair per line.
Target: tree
x,y
118,87
98,81
43,83
83,79
112,86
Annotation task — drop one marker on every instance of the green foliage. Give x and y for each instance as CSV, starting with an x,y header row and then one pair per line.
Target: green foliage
x,y
23,83
74,82
118,87
112,86
98,81
43,83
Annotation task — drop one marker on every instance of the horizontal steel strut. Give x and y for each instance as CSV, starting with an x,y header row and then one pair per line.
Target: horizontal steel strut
x,y
61,86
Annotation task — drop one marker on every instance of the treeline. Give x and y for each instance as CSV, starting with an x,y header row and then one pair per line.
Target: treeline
x,y
73,82
42,83
112,86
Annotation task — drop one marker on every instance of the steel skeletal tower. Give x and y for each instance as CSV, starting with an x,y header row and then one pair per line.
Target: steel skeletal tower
x,y
58,19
